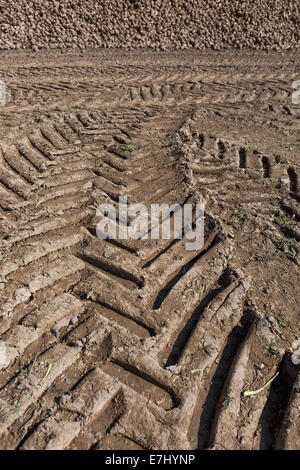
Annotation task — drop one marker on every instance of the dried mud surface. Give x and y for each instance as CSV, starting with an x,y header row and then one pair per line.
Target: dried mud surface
x,y
142,344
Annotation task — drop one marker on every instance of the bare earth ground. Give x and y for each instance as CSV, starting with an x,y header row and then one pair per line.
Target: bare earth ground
x,y
143,344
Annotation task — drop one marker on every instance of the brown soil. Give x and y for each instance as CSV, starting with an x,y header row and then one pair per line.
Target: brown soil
x,y
142,344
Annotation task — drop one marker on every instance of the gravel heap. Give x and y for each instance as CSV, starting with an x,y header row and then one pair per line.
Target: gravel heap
x,y
158,24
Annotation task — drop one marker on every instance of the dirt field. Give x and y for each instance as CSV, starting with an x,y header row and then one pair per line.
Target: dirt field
x,y
135,344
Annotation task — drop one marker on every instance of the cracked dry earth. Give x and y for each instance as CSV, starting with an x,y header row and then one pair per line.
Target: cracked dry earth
x,y
123,344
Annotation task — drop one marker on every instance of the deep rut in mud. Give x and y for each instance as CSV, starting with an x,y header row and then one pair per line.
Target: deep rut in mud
x,y
142,344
